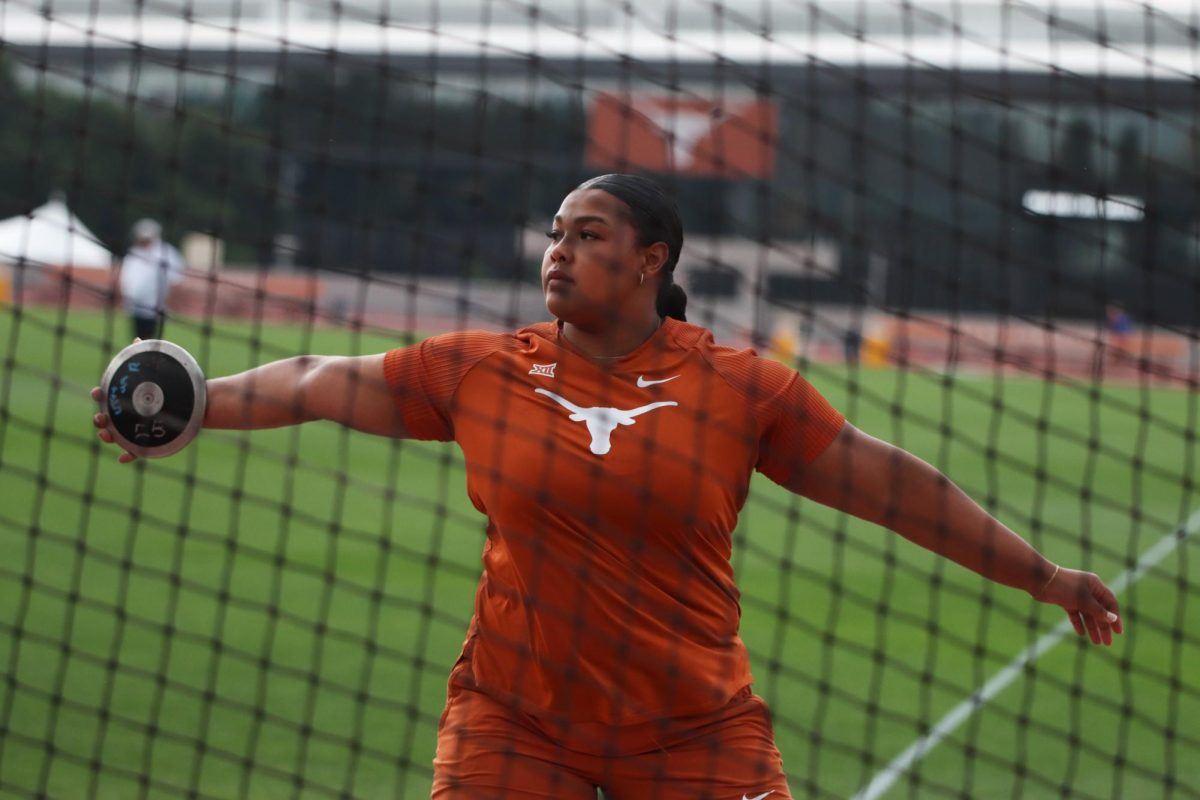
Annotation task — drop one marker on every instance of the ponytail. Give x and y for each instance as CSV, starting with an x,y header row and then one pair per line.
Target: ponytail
x,y
671,300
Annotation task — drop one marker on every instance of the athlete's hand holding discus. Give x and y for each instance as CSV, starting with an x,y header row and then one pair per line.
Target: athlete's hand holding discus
x,y
154,398
101,421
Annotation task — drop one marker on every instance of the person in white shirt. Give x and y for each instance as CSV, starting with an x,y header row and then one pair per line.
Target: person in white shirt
x,y
148,272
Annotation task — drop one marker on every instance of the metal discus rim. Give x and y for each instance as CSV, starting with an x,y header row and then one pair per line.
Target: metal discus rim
x,y
199,389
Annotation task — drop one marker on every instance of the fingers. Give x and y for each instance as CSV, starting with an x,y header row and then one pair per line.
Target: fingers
x,y
1087,625
100,421
1109,623
1090,605
1109,609
1093,628
1100,628
1105,610
1098,624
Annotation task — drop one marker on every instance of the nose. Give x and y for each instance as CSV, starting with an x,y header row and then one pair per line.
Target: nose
x,y
557,251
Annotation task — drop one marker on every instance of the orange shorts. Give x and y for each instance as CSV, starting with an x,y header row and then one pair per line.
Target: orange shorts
x,y
487,750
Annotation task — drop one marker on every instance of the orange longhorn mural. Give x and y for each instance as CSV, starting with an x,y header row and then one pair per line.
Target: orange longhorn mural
x,y
684,136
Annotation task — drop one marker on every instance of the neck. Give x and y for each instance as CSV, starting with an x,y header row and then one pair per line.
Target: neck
x,y
614,340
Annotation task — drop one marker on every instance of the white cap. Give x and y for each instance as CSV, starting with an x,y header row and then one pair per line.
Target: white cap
x,y
146,229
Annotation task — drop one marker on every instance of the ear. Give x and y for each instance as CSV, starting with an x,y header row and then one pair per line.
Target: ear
x,y
654,258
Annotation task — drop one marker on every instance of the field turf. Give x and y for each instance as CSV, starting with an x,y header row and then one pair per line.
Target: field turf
x,y
274,614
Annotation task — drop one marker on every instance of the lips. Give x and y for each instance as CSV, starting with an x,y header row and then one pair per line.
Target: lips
x,y
557,279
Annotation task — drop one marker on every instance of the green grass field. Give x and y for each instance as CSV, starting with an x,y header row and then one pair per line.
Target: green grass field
x,y
274,614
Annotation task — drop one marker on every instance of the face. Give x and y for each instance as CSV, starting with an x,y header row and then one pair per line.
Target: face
x,y
591,268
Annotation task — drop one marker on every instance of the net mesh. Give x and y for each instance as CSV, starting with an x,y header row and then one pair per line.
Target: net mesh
x,y
973,227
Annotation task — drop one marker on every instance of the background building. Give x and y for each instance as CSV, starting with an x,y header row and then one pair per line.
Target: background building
x,y
971,156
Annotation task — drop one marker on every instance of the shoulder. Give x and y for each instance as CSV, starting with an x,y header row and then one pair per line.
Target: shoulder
x,y
457,351
431,371
473,341
471,346
686,336
755,378
528,335
428,374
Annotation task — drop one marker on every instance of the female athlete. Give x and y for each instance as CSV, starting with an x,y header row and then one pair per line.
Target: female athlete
x,y
611,451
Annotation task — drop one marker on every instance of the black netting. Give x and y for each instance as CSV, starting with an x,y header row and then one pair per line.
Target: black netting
x,y
973,227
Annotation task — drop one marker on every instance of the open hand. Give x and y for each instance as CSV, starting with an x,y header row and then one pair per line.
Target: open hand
x,y
1090,605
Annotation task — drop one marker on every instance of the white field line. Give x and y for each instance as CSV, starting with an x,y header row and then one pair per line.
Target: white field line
x,y
946,725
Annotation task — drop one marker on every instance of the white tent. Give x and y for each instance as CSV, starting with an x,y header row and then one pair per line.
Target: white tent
x,y
51,235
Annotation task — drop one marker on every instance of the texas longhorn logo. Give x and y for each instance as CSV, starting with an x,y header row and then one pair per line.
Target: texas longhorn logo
x,y
601,422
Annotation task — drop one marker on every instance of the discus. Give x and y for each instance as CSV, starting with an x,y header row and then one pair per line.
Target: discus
x,y
154,395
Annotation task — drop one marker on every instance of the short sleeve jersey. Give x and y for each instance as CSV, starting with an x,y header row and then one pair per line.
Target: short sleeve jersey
x,y
611,493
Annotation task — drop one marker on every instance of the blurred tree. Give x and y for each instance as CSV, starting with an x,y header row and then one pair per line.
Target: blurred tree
x,y
183,165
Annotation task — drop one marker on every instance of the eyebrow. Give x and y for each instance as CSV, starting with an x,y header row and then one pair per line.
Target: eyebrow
x,y
584,220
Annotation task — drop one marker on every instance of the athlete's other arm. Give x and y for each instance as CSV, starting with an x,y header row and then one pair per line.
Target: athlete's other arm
x,y
876,481
349,390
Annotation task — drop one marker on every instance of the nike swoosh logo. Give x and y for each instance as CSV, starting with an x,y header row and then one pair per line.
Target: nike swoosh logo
x,y
759,797
642,384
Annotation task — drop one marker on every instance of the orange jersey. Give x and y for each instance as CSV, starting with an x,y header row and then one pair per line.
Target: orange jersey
x,y
611,492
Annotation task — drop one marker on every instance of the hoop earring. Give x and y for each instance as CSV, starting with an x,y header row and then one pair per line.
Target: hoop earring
x,y
641,278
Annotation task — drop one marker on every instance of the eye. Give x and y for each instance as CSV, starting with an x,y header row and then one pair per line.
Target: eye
x,y
588,235
554,235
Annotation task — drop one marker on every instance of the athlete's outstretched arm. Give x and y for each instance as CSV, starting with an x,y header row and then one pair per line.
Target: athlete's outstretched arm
x,y
348,390
881,483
